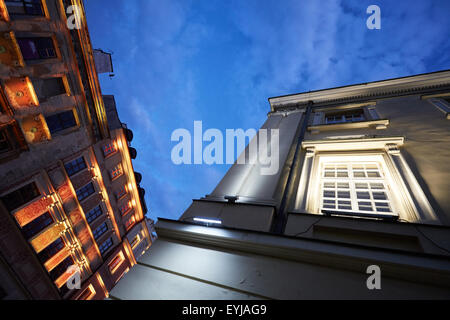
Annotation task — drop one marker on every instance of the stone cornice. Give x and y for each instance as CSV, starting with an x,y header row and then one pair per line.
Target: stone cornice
x,y
422,83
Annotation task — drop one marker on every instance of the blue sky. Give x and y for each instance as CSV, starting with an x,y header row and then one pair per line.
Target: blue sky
x,y
218,61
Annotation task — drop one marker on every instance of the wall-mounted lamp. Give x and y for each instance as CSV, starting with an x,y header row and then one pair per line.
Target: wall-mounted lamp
x,y
208,221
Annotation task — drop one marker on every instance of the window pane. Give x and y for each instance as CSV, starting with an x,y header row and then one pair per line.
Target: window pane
x,y
37,225
61,121
85,191
20,196
75,166
93,214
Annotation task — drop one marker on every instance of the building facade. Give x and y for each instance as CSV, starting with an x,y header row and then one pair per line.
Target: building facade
x,y
70,201
363,183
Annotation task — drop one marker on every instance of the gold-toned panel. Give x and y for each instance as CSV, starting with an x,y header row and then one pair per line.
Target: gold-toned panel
x,y
56,259
20,93
10,53
32,211
44,239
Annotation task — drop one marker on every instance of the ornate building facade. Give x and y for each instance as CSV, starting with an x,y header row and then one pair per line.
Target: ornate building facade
x,y
70,201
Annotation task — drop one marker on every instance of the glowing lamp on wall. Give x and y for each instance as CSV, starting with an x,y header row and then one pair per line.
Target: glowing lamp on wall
x,y
208,221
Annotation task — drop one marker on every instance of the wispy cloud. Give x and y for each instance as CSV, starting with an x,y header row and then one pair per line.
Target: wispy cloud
x,y
218,61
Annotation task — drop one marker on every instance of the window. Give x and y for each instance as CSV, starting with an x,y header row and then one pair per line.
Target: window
x,y
5,144
20,196
25,7
49,87
61,121
109,149
443,104
105,246
116,172
94,214
366,177
51,250
115,263
37,225
87,293
124,208
37,48
100,231
129,223
351,115
355,188
135,241
61,268
121,192
75,166
85,191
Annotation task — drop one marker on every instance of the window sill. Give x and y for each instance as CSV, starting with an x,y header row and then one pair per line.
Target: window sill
x,y
375,124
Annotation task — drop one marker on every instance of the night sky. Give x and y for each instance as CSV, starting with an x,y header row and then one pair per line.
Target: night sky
x,y
218,61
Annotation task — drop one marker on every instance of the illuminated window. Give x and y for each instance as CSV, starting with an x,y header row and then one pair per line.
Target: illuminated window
x,y
354,187
37,48
109,149
122,191
362,177
135,241
116,172
116,262
125,208
25,7
129,223
87,293
105,246
21,196
85,191
75,166
351,115
61,121
100,230
94,214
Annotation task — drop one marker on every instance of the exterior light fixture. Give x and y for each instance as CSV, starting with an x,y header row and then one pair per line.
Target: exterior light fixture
x,y
231,199
208,221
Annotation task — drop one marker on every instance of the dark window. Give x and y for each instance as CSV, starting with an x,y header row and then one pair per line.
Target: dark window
x,y
85,191
25,7
345,116
61,268
61,121
49,87
75,166
105,246
36,48
100,230
93,214
20,196
37,225
51,250
5,144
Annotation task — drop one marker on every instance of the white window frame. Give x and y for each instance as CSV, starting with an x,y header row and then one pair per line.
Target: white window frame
x,y
408,198
349,161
